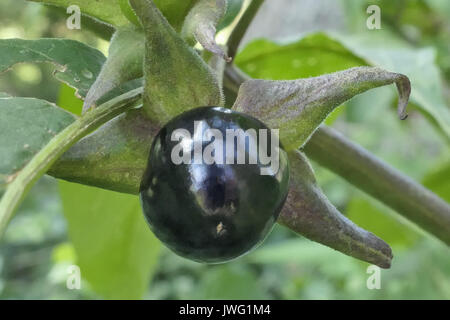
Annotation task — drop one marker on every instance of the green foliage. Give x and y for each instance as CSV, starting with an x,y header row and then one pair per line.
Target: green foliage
x,y
310,271
122,263
76,63
115,249
26,125
418,23
312,56
112,11
279,253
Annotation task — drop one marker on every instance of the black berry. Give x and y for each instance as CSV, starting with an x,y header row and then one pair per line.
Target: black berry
x,y
213,211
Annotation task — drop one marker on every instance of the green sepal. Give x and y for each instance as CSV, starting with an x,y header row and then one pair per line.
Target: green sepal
x,y
176,78
124,63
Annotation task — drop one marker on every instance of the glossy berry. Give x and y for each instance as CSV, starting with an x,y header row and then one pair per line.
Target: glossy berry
x,y
213,211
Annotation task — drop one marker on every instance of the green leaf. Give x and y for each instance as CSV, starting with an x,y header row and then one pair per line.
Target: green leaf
x,y
125,255
318,53
200,25
68,101
116,251
110,12
176,78
76,63
311,56
105,10
26,125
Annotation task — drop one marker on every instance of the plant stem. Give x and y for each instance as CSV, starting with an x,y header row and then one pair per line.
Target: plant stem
x,y
43,160
239,30
365,171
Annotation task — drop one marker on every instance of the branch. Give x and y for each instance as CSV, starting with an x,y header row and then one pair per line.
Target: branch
x,y
44,159
241,28
368,173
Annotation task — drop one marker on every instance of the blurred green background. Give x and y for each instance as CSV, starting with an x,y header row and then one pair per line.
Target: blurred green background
x,y
37,250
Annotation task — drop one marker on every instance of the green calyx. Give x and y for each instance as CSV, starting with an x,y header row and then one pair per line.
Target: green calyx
x,y
124,63
176,77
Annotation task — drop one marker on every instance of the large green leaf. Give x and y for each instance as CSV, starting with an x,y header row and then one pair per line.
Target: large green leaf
x,y
68,101
109,11
312,56
26,125
319,53
76,63
116,251
105,10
